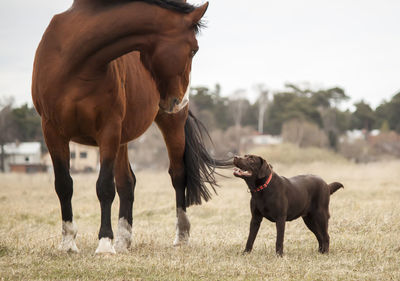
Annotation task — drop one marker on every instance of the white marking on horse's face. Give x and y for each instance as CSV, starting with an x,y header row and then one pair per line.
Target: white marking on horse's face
x,y
124,236
184,101
182,228
105,246
69,231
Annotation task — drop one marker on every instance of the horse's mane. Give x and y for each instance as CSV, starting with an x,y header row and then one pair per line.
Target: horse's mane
x,y
174,5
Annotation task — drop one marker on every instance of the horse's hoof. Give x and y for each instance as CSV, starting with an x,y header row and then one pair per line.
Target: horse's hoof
x,y
120,248
121,245
105,246
124,236
69,231
68,246
182,228
182,238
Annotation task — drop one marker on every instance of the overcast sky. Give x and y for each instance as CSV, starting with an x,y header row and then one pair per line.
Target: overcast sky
x,y
351,44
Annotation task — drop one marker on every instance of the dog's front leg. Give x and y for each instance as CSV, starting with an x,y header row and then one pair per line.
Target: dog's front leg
x,y
254,227
280,231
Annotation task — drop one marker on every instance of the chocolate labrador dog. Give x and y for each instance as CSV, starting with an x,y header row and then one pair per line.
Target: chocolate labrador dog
x,y
281,199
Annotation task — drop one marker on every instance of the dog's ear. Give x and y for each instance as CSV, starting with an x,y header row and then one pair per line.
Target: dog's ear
x,y
263,169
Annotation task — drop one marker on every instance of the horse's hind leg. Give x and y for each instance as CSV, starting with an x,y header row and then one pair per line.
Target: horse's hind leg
x,y
59,152
172,128
109,143
125,182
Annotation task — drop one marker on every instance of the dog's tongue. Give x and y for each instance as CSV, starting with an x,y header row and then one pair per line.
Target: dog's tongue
x,y
240,173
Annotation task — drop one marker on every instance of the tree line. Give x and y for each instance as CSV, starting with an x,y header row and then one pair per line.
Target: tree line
x,y
267,115
320,107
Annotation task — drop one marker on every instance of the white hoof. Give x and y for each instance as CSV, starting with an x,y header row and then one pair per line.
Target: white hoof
x,y
181,238
182,228
124,236
105,247
69,231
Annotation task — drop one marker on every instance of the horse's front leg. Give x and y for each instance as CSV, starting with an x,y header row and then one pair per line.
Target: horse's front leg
x,y
172,128
125,182
59,151
109,142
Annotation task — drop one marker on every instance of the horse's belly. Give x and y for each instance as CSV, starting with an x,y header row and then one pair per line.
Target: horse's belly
x,y
142,97
138,118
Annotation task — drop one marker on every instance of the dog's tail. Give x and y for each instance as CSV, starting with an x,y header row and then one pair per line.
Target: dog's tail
x,y
200,165
333,187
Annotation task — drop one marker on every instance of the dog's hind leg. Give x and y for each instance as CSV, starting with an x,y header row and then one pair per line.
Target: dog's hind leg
x,y
321,217
125,182
310,222
321,221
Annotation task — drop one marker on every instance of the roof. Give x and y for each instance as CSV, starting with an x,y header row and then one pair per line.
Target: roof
x,y
22,148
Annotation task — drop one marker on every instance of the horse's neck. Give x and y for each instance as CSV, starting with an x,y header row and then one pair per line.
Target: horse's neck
x,y
116,31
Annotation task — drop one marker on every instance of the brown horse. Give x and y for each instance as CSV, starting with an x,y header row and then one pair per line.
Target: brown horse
x,y
104,71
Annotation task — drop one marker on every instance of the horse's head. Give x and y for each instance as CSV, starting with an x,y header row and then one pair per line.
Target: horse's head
x,y
170,60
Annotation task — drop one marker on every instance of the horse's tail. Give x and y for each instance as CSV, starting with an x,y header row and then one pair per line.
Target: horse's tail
x,y
200,165
333,187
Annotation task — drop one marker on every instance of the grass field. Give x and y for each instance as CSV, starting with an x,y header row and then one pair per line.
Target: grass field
x,y
364,230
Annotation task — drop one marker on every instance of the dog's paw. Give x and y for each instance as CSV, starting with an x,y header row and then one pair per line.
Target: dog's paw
x,y
246,252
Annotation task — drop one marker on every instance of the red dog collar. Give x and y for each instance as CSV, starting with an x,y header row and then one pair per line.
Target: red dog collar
x,y
265,185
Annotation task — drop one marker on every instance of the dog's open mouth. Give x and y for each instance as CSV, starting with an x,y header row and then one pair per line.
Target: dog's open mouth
x,y
241,173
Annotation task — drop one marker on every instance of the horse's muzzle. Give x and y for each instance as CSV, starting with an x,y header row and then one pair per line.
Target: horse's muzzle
x,y
175,105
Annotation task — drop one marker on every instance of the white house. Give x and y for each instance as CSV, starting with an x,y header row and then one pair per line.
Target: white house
x,y
23,157
83,158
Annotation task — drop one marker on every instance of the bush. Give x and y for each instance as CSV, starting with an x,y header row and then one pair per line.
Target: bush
x,y
357,151
386,144
304,134
226,143
288,153
372,148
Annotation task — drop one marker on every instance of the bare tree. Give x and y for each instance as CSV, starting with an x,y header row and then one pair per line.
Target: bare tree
x,y
238,105
262,105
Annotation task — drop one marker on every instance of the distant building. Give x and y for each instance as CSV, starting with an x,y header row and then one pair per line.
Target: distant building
x,y
258,140
353,135
24,157
265,139
83,158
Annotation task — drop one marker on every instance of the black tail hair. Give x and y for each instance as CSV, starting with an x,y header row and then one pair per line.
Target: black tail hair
x,y
200,165
333,187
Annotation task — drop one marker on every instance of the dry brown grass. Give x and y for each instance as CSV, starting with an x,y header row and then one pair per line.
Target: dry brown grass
x,y
364,230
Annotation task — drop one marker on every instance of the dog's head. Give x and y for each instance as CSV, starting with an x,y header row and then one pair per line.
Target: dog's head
x,y
251,167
